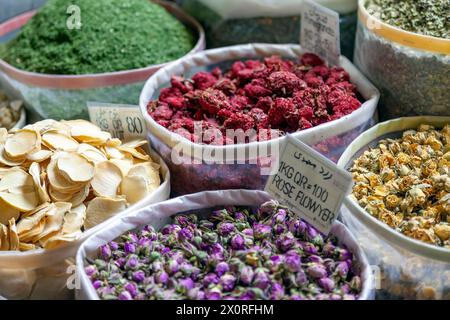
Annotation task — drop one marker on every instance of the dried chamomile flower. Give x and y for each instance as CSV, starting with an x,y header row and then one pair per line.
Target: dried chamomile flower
x,y
405,183
59,178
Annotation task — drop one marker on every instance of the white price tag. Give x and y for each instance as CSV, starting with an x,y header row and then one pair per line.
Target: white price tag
x,y
309,184
123,121
319,32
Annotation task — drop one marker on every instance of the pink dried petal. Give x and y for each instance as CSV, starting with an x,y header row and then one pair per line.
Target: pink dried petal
x,y
264,103
310,59
203,80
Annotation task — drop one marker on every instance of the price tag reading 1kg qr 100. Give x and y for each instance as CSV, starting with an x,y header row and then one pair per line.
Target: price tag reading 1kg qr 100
x,y
309,184
320,31
123,121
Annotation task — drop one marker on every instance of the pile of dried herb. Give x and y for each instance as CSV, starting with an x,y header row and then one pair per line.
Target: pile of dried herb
x,y
114,35
427,17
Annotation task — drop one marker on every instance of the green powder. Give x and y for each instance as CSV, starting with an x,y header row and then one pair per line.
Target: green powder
x,y
427,17
114,35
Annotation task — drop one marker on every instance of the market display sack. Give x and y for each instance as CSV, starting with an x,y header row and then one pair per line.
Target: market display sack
x,y
197,167
231,209
61,89
38,273
411,251
411,70
265,21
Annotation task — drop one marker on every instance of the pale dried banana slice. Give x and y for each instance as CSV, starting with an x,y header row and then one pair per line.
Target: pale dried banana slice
x,y
107,179
4,237
22,143
100,209
59,141
27,223
134,188
13,236
21,201
57,180
75,168
7,212
74,220
39,156
91,153
35,172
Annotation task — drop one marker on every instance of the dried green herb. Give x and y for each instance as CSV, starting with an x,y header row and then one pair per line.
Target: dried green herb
x,y
427,17
114,35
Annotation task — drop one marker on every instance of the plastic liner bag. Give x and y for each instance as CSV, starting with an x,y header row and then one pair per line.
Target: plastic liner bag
x,y
195,167
230,22
160,214
64,96
411,70
408,268
50,274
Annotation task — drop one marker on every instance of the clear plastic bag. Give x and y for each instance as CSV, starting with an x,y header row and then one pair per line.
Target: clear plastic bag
x,y
266,21
408,269
50,274
192,173
412,75
160,214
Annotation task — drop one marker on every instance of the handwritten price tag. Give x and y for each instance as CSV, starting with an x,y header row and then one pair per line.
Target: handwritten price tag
x,y
320,31
123,121
309,184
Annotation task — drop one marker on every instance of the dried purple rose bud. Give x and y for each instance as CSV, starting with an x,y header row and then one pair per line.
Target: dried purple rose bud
x,y
285,241
277,291
139,276
293,262
261,231
90,270
237,242
172,267
344,254
316,271
327,284
132,262
210,278
196,294
248,232
105,251
328,249
225,228
161,277
97,284
280,228
186,284
129,247
213,294
310,248
301,278
240,216
227,282
113,245
279,217
246,275
185,234
297,227
180,220
261,279
221,268
131,288
342,269
125,295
